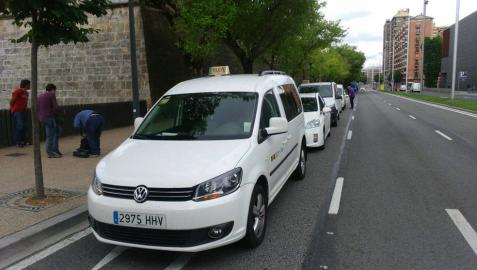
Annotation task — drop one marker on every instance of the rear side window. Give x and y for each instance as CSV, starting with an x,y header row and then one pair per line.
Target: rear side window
x,y
291,100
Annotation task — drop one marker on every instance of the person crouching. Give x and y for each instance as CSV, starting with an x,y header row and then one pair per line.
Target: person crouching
x,y
92,124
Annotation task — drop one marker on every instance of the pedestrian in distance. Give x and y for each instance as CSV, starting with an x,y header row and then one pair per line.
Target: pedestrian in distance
x,y
351,94
91,123
18,108
48,111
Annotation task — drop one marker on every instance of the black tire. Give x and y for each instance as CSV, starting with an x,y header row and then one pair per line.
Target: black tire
x,y
254,237
334,123
324,139
300,171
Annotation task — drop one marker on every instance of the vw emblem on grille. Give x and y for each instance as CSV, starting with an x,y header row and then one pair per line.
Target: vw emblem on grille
x,y
140,194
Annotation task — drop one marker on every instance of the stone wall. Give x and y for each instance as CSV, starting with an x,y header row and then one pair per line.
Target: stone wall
x,y
95,72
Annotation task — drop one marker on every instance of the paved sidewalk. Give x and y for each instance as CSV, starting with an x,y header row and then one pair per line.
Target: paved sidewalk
x,y
66,173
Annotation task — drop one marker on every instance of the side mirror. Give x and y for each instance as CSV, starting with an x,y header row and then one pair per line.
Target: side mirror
x,y
277,125
137,122
326,110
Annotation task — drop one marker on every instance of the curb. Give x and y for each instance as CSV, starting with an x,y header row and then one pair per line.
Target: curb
x,y
19,245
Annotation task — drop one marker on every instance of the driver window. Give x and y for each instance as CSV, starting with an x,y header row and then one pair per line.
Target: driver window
x,y
269,110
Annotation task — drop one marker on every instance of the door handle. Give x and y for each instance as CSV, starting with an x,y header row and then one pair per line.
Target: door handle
x,y
285,141
289,137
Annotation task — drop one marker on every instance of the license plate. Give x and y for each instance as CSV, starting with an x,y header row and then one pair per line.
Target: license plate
x,y
139,219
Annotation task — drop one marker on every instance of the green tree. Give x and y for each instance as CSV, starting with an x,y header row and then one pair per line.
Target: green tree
x,y
378,78
355,61
49,22
432,61
248,28
397,76
329,65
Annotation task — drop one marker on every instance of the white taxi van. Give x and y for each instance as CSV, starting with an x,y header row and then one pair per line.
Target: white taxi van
x,y
317,119
201,168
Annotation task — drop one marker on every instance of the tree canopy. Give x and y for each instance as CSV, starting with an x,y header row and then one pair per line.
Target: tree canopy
x,y
432,61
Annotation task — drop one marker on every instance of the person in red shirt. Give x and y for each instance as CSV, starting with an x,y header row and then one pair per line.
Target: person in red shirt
x,y
18,107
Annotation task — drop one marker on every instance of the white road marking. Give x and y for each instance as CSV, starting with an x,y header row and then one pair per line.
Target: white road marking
x,y
438,106
464,227
398,109
180,262
443,135
111,256
412,117
335,200
352,117
47,252
390,104
350,133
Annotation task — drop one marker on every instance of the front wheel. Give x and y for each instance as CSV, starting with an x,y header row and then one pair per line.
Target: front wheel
x,y
257,217
300,170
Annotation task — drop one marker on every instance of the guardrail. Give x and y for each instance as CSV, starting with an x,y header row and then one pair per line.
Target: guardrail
x,y
118,114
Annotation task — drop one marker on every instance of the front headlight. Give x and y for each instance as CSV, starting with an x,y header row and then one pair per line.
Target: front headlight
x,y
219,186
97,186
313,124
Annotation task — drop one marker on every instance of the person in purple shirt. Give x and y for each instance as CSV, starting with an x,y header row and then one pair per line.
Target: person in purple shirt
x,y
92,123
47,111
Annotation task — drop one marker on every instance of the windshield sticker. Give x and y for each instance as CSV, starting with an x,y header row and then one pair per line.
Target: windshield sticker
x,y
164,100
247,126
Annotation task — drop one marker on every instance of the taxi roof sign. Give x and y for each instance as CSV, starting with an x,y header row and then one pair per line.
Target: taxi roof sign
x,y
219,71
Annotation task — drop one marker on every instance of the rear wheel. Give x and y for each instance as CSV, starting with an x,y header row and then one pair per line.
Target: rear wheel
x,y
257,217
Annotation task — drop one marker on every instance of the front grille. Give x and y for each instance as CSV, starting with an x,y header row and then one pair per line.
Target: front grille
x,y
156,237
155,194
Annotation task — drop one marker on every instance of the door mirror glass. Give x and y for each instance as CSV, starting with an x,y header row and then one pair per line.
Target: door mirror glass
x,y
137,122
277,125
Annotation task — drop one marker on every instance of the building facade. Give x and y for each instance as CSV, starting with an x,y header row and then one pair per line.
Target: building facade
x,y
85,73
466,57
397,55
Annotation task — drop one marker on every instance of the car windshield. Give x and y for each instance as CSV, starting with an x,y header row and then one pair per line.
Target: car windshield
x,y
309,104
324,89
202,116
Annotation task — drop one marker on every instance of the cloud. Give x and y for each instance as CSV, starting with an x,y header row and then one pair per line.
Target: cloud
x,y
364,37
352,15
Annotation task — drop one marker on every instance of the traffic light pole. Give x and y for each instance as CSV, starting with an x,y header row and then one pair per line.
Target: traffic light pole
x,y
456,40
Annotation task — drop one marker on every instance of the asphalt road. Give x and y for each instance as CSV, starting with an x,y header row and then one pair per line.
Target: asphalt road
x,y
400,175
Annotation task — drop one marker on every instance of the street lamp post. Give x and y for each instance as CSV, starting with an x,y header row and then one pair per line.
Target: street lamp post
x,y
132,39
407,49
456,40
423,43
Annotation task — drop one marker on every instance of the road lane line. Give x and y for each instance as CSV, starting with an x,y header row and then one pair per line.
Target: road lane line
x,y
350,133
390,104
111,256
412,117
443,135
398,109
180,262
464,227
352,117
47,252
335,200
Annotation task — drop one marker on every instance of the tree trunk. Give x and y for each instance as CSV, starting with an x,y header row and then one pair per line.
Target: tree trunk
x,y
40,190
247,65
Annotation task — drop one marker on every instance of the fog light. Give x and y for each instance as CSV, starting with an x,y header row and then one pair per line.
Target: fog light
x,y
216,232
315,137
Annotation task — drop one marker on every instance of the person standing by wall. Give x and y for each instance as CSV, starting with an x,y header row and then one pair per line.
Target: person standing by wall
x,y
47,112
18,108
92,123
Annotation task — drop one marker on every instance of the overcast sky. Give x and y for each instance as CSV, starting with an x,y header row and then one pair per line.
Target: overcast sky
x,y
365,19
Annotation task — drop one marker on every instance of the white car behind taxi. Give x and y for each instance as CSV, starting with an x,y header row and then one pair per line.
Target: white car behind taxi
x,y
317,119
201,168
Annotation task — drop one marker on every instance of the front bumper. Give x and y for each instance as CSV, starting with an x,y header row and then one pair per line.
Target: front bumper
x,y
187,222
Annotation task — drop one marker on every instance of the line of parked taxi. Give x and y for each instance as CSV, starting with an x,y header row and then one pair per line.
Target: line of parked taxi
x,y
201,168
